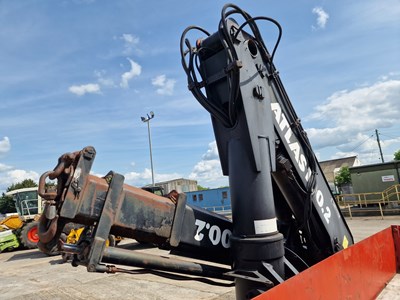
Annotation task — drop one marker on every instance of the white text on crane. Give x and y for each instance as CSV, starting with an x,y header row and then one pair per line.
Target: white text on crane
x,y
300,159
294,146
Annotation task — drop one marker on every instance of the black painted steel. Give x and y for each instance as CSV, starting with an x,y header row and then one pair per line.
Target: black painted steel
x,y
275,180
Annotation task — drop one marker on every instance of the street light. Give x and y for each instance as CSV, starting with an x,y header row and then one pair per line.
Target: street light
x,y
147,120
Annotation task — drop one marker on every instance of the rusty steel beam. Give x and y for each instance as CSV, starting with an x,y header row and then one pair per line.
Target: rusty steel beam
x,y
108,206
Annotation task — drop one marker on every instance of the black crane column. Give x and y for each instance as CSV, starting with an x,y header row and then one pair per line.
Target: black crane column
x,y
244,131
257,246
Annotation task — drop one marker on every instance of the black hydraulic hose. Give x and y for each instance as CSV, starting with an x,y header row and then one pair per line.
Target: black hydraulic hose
x,y
193,83
251,20
228,119
227,41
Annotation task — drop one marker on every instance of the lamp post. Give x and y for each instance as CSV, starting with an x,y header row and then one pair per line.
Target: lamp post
x,y
147,120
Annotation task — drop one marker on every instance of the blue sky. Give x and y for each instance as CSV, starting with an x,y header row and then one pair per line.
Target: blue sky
x,y
75,73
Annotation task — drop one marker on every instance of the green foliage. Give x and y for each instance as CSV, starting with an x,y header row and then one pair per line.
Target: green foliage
x,y
201,188
397,155
7,204
343,176
27,183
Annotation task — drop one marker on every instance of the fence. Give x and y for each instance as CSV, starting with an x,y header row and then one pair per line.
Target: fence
x,y
223,210
388,200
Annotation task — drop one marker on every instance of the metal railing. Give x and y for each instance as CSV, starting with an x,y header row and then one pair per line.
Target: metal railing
x,y
29,208
221,209
388,200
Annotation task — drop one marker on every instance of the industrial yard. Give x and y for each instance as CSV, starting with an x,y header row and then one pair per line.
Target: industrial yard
x,y
290,200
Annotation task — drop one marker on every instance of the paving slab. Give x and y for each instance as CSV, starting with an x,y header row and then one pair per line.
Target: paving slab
x,y
30,274
363,227
392,290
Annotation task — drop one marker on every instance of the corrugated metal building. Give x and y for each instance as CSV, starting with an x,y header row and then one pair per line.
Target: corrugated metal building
x,y
376,177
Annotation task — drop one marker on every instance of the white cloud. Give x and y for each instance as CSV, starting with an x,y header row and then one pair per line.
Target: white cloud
x,y
4,168
130,39
20,175
131,42
8,176
5,145
164,86
103,80
135,70
140,179
364,108
208,171
166,177
212,152
80,90
351,117
322,17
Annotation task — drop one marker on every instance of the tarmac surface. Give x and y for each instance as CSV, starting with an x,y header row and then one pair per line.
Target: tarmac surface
x,y
29,274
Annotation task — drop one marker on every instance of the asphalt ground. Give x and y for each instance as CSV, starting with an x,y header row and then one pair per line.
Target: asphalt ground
x,y
29,274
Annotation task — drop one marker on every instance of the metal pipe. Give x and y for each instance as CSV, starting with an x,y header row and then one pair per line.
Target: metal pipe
x,y
136,259
151,154
71,248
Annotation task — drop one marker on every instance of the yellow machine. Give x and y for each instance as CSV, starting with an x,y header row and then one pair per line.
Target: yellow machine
x,y
11,222
75,234
22,228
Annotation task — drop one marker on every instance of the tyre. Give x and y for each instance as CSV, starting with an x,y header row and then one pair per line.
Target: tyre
x,y
29,235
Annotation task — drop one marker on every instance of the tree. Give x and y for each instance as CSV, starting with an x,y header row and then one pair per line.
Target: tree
x,y
26,183
343,176
201,188
7,204
397,155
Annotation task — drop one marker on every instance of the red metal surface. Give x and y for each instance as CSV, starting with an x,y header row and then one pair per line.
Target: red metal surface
x,y
396,240
358,272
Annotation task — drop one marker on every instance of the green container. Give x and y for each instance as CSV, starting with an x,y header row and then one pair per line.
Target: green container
x,y
374,178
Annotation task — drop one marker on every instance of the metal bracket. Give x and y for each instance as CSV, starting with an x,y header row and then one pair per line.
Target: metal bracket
x,y
290,266
252,275
178,221
255,275
114,196
271,271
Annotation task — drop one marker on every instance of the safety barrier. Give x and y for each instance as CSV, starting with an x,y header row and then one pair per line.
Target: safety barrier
x,y
386,201
222,209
